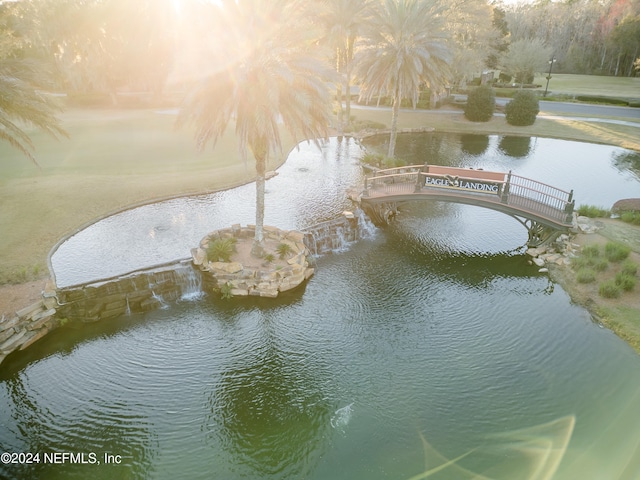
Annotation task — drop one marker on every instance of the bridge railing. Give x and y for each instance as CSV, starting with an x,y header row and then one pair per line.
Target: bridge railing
x,y
538,196
398,170
514,190
393,182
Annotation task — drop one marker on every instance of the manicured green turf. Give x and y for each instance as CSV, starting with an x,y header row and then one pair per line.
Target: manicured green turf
x,y
622,87
113,159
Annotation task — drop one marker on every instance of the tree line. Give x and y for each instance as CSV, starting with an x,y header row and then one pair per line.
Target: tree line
x,y
600,37
398,49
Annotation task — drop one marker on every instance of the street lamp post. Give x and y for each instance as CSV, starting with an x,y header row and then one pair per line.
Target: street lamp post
x,y
551,62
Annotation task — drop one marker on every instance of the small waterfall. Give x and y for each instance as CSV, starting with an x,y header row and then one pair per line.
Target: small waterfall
x,y
366,228
190,282
339,234
163,305
127,312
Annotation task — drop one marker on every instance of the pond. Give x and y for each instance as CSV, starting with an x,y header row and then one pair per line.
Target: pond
x,y
430,347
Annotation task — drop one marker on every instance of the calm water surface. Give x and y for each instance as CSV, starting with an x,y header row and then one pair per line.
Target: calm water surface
x,y
430,347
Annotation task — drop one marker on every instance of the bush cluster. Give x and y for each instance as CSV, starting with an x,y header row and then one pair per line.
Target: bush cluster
x,y
630,217
481,103
382,161
586,275
592,261
616,252
625,282
609,289
592,211
523,109
600,99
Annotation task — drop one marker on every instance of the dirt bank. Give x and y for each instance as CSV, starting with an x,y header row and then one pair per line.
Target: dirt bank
x,y
622,315
16,297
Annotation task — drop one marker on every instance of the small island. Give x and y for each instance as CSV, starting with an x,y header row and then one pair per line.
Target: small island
x,y
228,267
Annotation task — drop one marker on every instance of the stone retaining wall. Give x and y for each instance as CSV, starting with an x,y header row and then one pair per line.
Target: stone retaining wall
x,y
136,292
27,326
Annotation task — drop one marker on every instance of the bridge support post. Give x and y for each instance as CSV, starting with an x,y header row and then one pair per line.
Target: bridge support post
x,y
504,197
419,182
539,233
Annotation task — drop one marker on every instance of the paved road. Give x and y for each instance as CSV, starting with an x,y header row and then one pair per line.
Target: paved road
x,y
597,113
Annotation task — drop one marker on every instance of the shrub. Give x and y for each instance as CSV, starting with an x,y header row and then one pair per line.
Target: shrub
x,y
269,257
599,264
604,100
625,282
586,275
481,103
591,251
580,262
504,78
221,249
382,161
225,291
283,250
616,252
629,268
374,159
609,289
592,211
630,217
523,109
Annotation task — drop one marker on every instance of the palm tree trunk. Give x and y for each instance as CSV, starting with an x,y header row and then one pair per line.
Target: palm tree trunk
x,y
634,56
394,122
258,240
349,67
340,110
339,93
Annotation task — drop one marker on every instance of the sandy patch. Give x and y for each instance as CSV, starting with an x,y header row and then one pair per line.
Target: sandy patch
x,y
16,297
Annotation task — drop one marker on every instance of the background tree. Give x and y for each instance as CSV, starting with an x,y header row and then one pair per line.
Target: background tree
x,y
342,20
404,48
24,72
268,73
525,58
472,37
502,39
582,33
107,46
625,40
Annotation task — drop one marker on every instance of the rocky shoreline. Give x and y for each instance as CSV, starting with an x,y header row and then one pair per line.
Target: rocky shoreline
x,y
621,315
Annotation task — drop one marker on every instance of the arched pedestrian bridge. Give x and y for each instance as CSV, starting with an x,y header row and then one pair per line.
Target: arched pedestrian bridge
x,y
544,210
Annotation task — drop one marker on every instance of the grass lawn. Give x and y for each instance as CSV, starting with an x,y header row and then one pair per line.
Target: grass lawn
x,y
118,158
112,160
568,84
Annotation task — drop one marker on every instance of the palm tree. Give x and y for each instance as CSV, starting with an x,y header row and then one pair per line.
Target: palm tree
x,y
270,74
22,75
405,48
342,20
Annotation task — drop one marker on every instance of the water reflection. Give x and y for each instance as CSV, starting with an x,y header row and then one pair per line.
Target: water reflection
x,y
56,420
515,146
474,144
268,411
627,161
